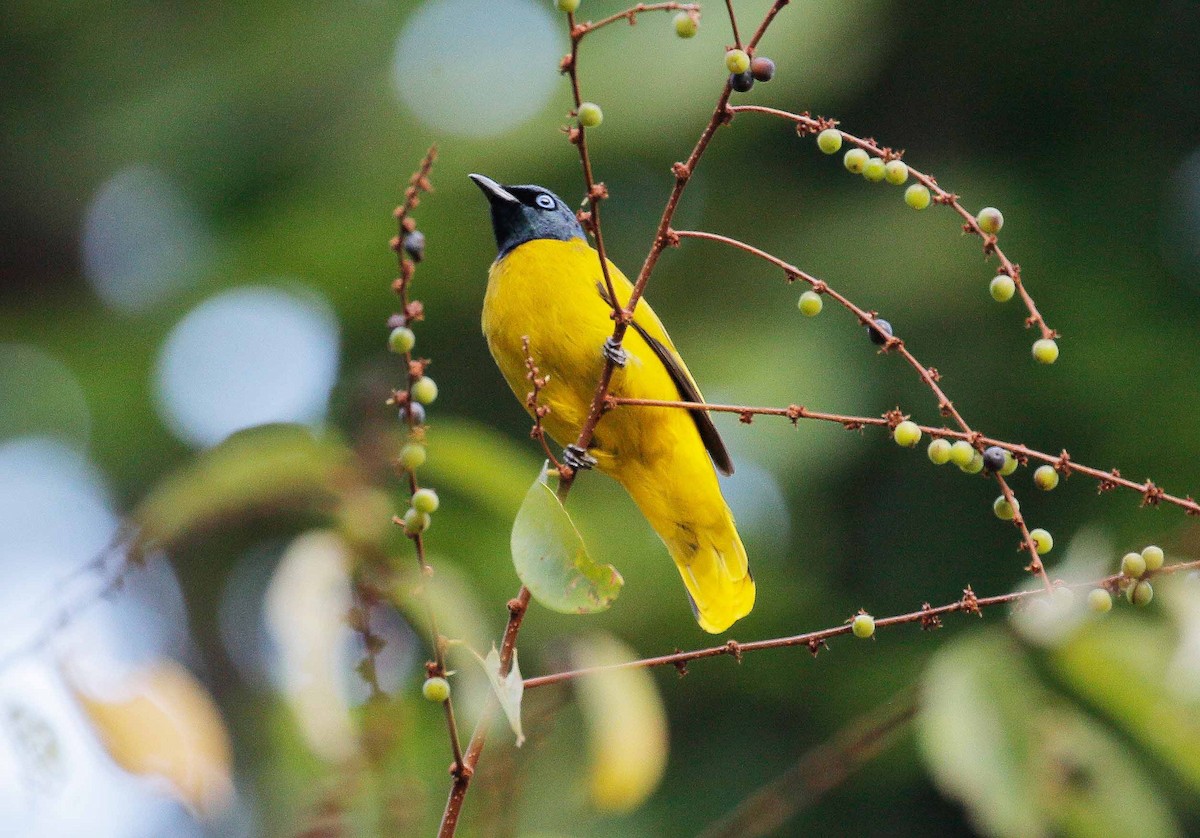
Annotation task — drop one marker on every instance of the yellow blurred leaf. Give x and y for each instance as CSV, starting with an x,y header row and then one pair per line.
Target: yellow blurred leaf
x,y
164,725
626,722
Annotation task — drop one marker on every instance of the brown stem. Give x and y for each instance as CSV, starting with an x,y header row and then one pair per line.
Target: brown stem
x,y
737,38
630,14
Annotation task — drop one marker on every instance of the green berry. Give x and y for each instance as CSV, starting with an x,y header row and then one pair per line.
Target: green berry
x,y
939,451
1045,351
810,304
961,453
975,466
1005,510
1042,540
990,220
741,82
863,626
907,434
1099,600
737,61
917,196
425,500
896,172
1133,565
1045,477
1140,594
590,115
855,160
425,390
686,26
416,522
993,458
762,68
1002,288
1154,557
412,456
874,169
401,340
830,141
438,689
1010,464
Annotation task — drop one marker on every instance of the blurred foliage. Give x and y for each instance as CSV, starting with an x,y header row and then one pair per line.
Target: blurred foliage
x,y
281,123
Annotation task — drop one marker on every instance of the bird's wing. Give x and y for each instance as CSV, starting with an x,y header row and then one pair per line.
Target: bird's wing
x,y
644,323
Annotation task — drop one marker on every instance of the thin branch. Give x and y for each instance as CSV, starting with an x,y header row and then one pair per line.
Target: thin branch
x,y
806,124
630,14
737,38
817,772
929,617
540,411
928,375
1151,494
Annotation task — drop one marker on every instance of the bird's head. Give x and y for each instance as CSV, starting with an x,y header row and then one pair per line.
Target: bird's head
x,y
525,213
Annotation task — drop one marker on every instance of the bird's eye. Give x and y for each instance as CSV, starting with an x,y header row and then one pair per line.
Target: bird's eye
x,y
544,201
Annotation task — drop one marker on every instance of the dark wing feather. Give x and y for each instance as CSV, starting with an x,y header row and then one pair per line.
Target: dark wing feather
x,y
688,392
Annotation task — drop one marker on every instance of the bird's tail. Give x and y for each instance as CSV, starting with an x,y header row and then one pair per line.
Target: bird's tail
x,y
705,545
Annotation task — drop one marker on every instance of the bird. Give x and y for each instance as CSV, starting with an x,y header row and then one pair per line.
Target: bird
x,y
546,284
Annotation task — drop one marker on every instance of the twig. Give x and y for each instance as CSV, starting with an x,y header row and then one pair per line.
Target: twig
x,y
630,14
817,772
927,616
928,375
540,411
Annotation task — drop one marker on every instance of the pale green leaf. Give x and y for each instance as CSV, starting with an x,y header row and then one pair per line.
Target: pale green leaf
x,y
509,689
552,560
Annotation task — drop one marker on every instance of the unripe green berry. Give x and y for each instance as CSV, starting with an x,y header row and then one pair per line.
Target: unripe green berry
x,y
1042,540
1045,351
874,169
863,626
907,434
1133,565
975,466
855,160
1002,288
1154,557
961,453
1005,510
1140,594
425,500
401,340
896,172
990,220
412,455
830,141
416,522
1010,464
939,451
438,689
810,304
1045,477
686,26
917,196
590,115
737,61
1099,600
993,458
425,390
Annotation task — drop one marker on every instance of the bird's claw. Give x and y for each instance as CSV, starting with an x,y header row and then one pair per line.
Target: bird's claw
x,y
613,352
577,458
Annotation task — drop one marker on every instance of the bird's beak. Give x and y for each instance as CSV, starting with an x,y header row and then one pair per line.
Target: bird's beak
x,y
494,192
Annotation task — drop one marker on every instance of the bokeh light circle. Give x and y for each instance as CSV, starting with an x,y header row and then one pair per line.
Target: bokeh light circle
x,y
477,67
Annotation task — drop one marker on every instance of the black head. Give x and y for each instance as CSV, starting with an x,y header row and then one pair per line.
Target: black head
x,y
524,213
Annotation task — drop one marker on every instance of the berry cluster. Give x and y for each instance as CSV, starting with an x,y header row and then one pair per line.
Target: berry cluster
x,y
744,71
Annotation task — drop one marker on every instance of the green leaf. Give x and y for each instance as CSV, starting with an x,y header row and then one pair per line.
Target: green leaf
x,y
626,724
1021,759
552,560
509,689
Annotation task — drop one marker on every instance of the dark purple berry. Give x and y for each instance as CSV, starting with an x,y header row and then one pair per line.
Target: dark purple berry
x,y
880,332
414,245
993,458
741,82
418,413
763,69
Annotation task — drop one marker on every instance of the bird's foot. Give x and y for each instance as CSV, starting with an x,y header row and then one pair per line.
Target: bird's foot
x,y
577,458
613,352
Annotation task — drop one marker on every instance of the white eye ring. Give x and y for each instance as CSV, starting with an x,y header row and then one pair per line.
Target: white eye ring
x,y
544,201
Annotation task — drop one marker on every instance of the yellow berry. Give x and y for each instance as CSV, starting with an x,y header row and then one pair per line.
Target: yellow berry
x,y
1154,557
863,626
907,434
1045,351
737,61
1045,477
